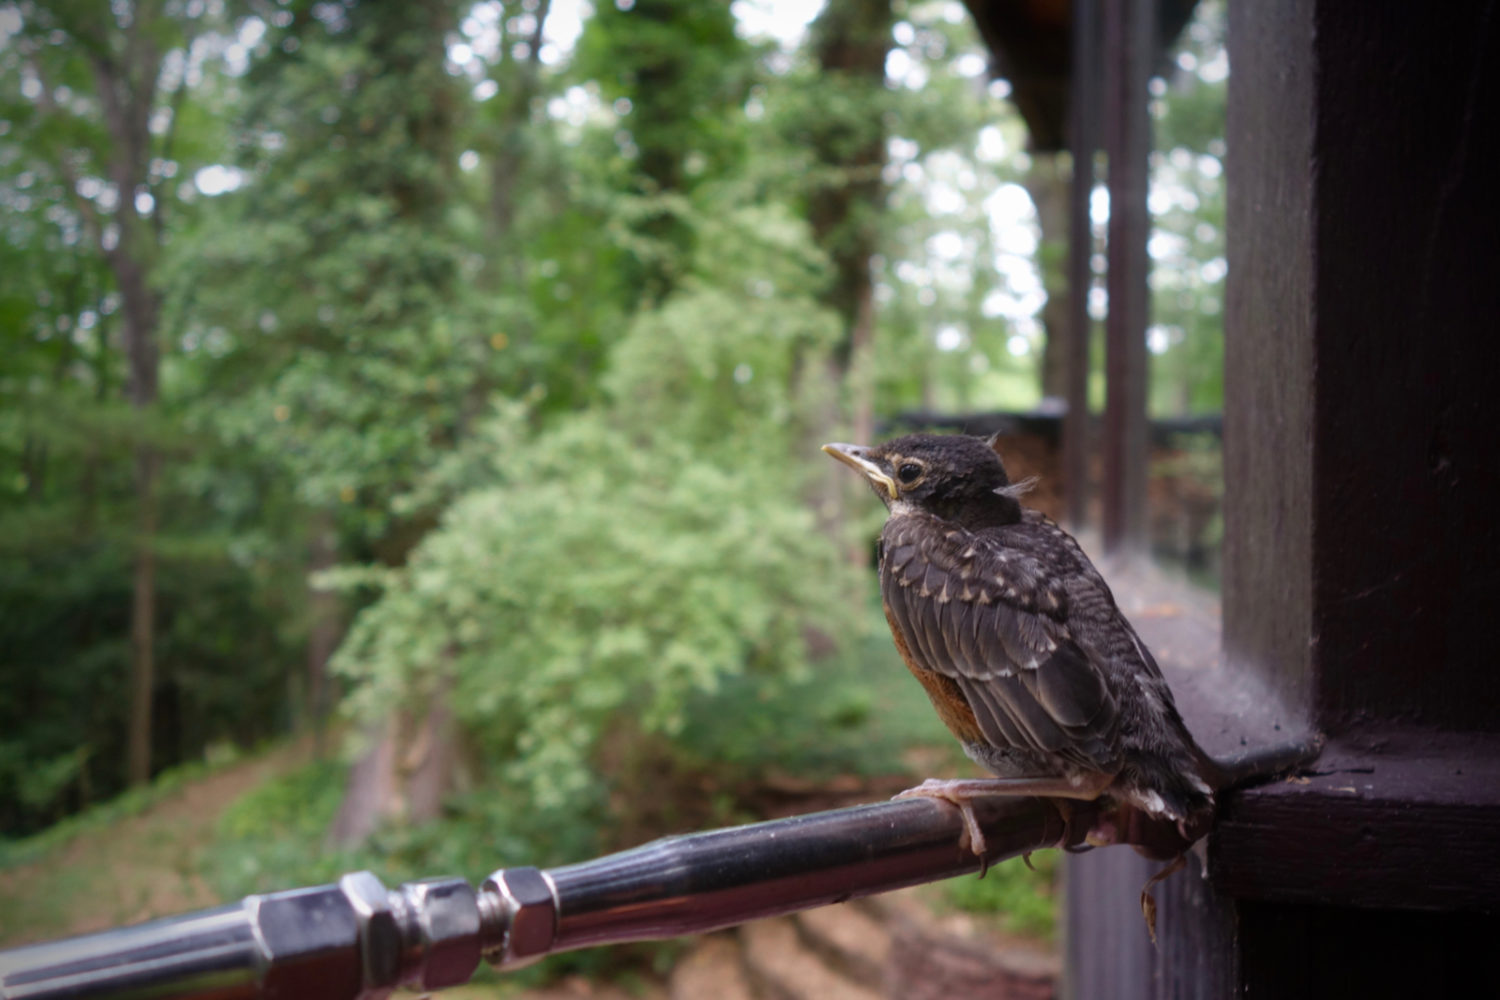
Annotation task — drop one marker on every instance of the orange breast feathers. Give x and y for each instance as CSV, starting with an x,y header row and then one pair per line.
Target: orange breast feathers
x,y
952,707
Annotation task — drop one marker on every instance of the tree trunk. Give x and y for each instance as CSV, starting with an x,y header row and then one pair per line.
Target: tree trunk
x,y
861,378
126,77
323,635
510,149
404,773
431,755
143,618
407,767
127,95
140,307
851,39
371,788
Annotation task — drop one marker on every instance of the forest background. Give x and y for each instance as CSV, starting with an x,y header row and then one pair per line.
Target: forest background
x,y
440,383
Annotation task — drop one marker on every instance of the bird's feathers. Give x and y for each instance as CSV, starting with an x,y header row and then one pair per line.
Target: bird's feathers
x,y
997,627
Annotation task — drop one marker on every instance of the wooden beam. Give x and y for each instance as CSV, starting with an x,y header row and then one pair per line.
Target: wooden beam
x,y
1086,91
1401,819
1128,37
1406,487
1268,359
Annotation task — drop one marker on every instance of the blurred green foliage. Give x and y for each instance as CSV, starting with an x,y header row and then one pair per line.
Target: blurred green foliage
x,y
599,573
1187,245
524,360
1020,898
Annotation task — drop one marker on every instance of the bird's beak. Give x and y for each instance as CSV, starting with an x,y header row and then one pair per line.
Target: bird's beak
x,y
853,455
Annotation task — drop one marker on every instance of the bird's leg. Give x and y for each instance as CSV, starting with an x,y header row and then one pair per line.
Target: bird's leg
x,y
961,791
1087,789
1148,901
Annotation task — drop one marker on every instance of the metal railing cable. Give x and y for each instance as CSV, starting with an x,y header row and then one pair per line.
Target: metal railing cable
x,y
358,939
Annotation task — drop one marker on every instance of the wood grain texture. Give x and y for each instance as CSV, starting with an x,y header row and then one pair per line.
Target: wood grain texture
x,y
1268,357
1129,29
1406,542
1407,820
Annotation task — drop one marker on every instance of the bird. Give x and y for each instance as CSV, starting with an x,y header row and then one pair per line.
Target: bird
x,y
1024,653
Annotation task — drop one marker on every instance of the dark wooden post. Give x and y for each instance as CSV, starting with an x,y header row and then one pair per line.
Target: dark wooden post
x,y
1362,554
1083,140
1129,44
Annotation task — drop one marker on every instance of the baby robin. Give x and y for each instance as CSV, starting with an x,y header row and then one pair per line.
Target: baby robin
x,y
1022,649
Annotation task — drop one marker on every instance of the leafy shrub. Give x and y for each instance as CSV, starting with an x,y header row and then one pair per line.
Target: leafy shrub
x,y
592,577
603,580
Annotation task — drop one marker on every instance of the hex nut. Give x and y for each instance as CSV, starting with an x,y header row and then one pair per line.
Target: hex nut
x,y
447,912
311,939
532,909
379,929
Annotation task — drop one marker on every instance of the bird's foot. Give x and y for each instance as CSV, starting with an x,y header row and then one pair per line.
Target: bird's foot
x,y
956,793
1083,827
1061,791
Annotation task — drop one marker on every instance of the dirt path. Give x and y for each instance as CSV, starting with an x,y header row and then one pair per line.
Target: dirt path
x,y
140,867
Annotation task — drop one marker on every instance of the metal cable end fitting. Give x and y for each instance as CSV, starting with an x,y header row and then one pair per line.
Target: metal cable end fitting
x,y
518,909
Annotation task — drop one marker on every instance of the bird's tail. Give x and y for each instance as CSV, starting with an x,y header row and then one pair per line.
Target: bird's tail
x,y
1187,787
1257,764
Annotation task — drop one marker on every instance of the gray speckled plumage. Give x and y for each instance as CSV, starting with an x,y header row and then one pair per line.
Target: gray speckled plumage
x,y
1016,636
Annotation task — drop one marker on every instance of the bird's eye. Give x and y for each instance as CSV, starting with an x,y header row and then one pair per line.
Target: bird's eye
x,y
909,473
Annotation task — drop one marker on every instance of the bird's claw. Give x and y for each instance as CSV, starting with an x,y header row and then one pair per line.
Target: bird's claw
x,y
973,837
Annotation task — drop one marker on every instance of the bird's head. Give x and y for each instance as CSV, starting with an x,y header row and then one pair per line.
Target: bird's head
x,y
953,476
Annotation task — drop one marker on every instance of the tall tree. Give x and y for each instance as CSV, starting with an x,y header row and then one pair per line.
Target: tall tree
x,y
677,74
343,277
850,40
104,149
338,279
518,79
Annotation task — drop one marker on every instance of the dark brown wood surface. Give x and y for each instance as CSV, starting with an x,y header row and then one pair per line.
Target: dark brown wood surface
x,y
1326,952
1029,43
1083,140
1406,557
1362,556
1129,30
1408,819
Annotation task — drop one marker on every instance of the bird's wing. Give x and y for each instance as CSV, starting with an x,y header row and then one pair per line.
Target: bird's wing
x,y
994,622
